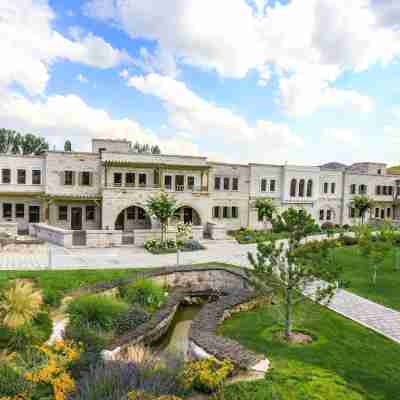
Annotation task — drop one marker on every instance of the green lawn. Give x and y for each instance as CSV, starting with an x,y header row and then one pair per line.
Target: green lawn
x,y
358,274
56,283
347,362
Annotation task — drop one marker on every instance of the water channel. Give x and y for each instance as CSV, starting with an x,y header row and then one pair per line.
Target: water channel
x,y
176,340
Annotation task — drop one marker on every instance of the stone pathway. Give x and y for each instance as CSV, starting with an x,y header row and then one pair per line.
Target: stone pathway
x,y
372,315
381,319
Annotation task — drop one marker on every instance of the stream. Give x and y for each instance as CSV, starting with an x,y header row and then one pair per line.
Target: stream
x,y
176,340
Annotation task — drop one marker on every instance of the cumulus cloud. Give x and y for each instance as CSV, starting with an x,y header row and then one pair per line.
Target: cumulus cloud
x,y
233,37
62,117
29,45
201,119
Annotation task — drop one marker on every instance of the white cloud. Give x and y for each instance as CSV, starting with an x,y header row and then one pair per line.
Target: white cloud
x,y
81,78
303,94
205,121
29,45
68,117
233,37
343,138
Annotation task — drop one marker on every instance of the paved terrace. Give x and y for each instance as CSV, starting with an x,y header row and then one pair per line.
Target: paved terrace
x,y
372,315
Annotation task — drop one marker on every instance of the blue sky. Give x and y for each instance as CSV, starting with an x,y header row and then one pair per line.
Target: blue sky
x,y
242,81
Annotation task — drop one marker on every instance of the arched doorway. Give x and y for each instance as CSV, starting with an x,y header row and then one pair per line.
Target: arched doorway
x,y
132,218
188,215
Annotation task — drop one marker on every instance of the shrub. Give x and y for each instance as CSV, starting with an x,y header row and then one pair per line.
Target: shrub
x,y
93,338
11,382
131,320
348,240
33,333
20,303
114,380
143,292
207,375
96,310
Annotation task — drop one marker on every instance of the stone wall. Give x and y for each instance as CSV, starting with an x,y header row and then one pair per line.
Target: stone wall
x,y
51,234
204,342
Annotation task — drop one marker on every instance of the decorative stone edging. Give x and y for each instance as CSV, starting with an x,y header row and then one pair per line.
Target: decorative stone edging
x,y
203,340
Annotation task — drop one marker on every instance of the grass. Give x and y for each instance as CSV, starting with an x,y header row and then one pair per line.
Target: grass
x,y
358,274
56,283
346,362
249,236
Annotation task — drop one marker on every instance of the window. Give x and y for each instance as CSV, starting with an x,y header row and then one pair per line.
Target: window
x,y
156,177
293,188
6,175
388,212
36,177
235,183
69,178
383,213
62,213
142,179
21,177
7,210
379,172
376,212
90,213
168,182
384,190
333,188
352,212
34,214
378,190
226,183
235,212
353,189
225,212
302,184
217,183
326,186
117,179
216,213
263,185
130,178
141,214
20,211
130,213
362,189
272,185
390,190
309,188
86,178
190,182
328,215
321,215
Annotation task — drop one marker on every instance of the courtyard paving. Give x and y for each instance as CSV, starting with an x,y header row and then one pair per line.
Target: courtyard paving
x,y
372,315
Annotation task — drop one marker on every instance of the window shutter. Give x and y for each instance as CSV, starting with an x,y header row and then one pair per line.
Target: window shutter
x,y
91,178
73,178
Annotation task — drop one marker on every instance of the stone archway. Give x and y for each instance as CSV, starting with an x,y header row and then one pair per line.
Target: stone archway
x,y
188,214
131,218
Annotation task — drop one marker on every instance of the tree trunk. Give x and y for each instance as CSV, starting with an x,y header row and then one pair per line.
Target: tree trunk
x,y
288,322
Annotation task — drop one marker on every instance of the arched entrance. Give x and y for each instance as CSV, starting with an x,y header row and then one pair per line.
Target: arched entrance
x,y
188,215
132,218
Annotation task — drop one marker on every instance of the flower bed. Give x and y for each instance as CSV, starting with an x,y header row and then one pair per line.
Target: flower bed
x,y
170,246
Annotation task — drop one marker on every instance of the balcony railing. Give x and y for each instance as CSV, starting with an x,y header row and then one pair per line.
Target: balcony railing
x,y
168,188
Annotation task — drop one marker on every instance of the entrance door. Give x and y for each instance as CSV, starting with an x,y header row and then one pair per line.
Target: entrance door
x,y
187,215
76,218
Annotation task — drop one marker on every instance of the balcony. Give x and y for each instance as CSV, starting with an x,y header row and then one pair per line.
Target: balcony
x,y
167,188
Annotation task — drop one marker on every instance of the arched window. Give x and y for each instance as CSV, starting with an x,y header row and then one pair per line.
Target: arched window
x,y
302,184
293,187
309,188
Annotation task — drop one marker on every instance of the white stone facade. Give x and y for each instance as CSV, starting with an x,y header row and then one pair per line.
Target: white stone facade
x,y
107,189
